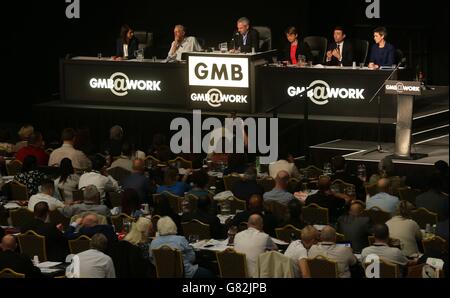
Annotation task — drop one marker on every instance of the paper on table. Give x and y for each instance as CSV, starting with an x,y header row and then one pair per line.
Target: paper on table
x,y
11,205
279,242
48,264
49,270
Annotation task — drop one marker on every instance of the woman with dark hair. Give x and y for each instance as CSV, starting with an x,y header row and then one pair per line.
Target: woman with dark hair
x,y
127,44
403,228
382,53
30,175
130,203
295,48
67,183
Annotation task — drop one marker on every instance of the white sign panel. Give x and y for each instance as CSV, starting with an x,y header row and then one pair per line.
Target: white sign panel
x,y
218,71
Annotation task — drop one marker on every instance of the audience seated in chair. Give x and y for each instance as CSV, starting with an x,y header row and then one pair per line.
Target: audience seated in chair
x,y
343,256
245,188
200,180
30,175
9,258
287,164
354,226
383,199
35,147
295,215
99,177
138,181
253,242
79,160
434,199
255,206
340,172
386,169
168,236
279,193
172,185
67,183
91,203
46,195
298,251
123,161
94,263
204,215
56,245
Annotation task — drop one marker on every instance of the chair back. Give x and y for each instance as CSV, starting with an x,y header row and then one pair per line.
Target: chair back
x,y
151,161
192,199
423,217
20,217
288,233
312,172
119,173
180,163
273,264
115,199
408,194
435,247
231,264
13,167
119,220
341,186
237,204
175,201
196,227
18,191
376,215
360,50
33,244
168,262
313,214
56,218
230,180
265,38
387,269
322,267
80,244
318,46
9,273
267,183
279,210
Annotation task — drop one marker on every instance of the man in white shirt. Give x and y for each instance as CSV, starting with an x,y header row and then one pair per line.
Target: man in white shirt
x,y
93,263
343,256
79,160
182,44
99,177
124,161
46,195
297,251
253,242
287,165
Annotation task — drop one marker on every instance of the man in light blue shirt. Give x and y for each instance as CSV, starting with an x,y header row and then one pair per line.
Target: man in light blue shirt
x,y
383,200
279,193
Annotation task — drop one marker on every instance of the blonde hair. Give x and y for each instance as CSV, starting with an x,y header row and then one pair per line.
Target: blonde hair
x,y
25,132
166,226
139,231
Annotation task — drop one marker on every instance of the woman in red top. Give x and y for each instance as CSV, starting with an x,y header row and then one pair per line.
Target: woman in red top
x,y
295,47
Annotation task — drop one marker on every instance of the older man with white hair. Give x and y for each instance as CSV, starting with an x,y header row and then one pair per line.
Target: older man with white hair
x,y
253,242
167,231
91,203
182,44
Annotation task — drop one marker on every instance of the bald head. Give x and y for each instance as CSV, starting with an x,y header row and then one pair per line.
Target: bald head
x,y
8,243
356,209
384,185
138,166
255,221
328,234
282,180
90,220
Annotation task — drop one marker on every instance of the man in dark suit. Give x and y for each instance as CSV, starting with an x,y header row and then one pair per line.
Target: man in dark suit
x,y
203,214
340,52
355,227
245,38
17,262
56,244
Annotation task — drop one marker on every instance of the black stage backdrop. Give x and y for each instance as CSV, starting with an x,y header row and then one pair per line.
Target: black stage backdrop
x,y
37,33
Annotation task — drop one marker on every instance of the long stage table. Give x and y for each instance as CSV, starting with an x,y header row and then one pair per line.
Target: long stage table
x,y
223,83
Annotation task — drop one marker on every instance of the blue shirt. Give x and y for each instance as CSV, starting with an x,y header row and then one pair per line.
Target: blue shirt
x,y
383,56
384,201
279,195
178,188
179,243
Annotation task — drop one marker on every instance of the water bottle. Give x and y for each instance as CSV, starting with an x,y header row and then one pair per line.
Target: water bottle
x,y
362,172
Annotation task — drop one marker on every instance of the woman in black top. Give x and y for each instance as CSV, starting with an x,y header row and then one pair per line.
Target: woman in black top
x,y
127,44
295,47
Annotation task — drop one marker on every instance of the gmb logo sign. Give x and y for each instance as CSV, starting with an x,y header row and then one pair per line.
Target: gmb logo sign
x,y
218,71
320,92
120,84
214,97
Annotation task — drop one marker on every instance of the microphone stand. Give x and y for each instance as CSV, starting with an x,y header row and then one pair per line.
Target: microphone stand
x,y
379,148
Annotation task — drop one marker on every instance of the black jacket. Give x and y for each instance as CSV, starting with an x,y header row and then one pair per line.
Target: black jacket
x,y
129,261
347,54
56,243
359,185
356,230
302,49
133,46
335,205
243,190
19,263
237,41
